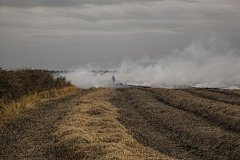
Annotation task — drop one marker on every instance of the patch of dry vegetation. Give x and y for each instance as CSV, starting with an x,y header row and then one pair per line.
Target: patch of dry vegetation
x,y
216,95
91,131
27,101
181,133
234,92
222,114
21,88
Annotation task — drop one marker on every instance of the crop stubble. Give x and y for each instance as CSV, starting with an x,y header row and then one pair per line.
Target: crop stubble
x,y
226,96
171,124
91,131
180,124
222,114
29,135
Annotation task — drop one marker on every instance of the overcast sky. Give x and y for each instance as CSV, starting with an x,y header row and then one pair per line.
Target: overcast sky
x,y
56,34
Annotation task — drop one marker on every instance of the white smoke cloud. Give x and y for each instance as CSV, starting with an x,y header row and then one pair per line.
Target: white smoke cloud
x,y
210,63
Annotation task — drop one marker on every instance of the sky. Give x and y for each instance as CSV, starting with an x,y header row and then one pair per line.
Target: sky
x,y
70,34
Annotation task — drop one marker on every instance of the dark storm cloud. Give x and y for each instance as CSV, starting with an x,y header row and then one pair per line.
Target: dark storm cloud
x,y
61,3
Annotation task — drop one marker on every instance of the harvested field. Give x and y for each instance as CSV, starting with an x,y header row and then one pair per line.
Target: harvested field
x,y
127,123
28,135
167,120
235,92
91,131
222,114
226,96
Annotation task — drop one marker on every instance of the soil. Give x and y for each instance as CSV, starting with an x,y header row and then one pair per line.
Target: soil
x,y
173,131
169,129
29,135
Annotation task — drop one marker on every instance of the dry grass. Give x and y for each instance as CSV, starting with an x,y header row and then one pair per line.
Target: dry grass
x,y
216,94
21,88
16,83
222,114
235,92
181,134
27,101
91,131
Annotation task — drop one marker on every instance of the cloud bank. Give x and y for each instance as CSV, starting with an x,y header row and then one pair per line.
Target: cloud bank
x,y
56,34
62,3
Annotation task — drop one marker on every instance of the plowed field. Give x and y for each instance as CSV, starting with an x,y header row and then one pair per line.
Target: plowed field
x,y
128,123
180,124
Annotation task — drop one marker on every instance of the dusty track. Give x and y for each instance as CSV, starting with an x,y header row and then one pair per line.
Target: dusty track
x,y
28,136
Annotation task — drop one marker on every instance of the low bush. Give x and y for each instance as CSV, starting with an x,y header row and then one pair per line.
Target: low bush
x,y
21,88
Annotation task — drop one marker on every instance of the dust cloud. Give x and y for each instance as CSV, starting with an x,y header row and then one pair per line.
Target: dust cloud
x,y
211,63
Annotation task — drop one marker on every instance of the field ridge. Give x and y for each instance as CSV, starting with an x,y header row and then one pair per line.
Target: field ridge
x,y
215,95
127,123
91,131
173,131
225,115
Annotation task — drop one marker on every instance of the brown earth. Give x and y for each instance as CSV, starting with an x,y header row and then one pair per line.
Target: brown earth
x,y
177,123
29,135
181,124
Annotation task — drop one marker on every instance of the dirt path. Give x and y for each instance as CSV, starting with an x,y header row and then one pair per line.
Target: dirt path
x,y
29,136
173,131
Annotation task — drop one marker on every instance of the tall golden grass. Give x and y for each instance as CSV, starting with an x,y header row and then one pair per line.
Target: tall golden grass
x,y
91,131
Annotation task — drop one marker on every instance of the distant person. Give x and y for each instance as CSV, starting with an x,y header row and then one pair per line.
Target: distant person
x,y
113,79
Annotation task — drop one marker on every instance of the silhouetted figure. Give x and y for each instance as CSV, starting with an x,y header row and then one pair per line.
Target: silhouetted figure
x,y
113,79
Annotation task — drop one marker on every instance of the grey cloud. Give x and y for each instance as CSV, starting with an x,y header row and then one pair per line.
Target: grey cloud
x,y
61,3
101,33
190,1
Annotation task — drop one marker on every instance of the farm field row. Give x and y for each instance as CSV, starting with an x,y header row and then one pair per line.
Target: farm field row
x,y
181,124
128,123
